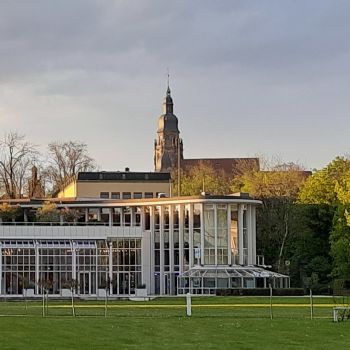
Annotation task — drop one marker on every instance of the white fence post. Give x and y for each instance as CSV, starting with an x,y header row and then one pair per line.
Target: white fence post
x,y
188,304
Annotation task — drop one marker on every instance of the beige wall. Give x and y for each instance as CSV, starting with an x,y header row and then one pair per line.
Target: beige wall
x,y
93,189
69,191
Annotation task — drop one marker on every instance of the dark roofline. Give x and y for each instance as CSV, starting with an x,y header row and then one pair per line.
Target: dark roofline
x,y
122,176
244,158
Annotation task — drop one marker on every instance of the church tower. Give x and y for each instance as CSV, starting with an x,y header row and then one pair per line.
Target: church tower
x,y
168,148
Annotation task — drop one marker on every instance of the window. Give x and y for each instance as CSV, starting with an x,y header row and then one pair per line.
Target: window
x,y
115,195
126,195
137,195
104,195
148,194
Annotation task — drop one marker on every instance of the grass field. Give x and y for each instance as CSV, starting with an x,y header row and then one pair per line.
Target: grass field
x,y
216,323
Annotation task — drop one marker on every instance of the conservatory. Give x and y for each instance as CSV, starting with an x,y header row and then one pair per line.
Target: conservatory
x,y
208,279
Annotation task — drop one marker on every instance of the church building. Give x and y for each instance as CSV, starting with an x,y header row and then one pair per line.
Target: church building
x,y
168,148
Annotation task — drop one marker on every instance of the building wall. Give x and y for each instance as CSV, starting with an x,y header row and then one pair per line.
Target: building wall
x,y
93,189
69,191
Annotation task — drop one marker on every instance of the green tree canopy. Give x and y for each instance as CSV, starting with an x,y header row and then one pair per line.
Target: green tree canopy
x,y
328,185
202,177
281,181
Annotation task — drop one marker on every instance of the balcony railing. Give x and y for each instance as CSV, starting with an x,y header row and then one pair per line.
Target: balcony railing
x,y
65,230
88,223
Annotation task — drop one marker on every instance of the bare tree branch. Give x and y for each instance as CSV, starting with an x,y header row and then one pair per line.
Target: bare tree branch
x,y
66,159
16,159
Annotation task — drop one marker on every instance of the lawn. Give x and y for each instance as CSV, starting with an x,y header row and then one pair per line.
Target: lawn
x,y
217,323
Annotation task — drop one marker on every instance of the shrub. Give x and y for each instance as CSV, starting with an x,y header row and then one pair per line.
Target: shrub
x,y
8,212
260,292
48,213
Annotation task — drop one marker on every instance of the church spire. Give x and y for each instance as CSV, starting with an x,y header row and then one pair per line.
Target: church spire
x,y
168,145
168,89
168,105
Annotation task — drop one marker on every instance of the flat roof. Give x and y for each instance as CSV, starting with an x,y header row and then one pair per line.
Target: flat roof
x,y
122,176
97,202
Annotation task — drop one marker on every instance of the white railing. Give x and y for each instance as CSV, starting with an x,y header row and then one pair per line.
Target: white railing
x,y
58,223
71,231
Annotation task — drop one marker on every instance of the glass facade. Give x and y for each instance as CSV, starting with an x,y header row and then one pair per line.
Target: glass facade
x,y
54,265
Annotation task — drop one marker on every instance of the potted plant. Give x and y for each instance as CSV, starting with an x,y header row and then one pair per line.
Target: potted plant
x,y
66,288
29,288
141,291
103,288
70,215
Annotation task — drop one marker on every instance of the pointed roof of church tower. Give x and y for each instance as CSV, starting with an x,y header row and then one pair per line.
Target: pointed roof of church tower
x,y
168,121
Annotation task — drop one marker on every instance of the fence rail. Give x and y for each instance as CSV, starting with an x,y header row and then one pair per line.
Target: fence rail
x,y
235,307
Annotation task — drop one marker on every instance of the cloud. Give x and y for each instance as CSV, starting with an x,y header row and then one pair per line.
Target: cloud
x,y
99,67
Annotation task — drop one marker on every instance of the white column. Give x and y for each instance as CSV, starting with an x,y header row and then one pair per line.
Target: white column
x,y
181,239
121,216
96,270
202,233
142,218
98,214
254,234
1,269
132,213
146,260
110,217
229,253
250,235
37,264
216,232
190,213
161,243
110,265
86,214
240,234
152,250
74,262
171,244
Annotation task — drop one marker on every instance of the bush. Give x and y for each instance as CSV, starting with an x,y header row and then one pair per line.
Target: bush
x,y
8,212
48,213
260,292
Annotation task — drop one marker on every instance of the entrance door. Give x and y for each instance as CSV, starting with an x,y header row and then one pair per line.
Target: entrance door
x,y
124,282
84,283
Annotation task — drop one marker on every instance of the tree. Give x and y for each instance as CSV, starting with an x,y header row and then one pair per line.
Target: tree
x,y
278,188
331,186
328,185
66,159
16,159
201,178
309,250
340,247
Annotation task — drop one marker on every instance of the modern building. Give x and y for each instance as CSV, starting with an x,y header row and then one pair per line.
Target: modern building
x,y
171,245
117,185
168,148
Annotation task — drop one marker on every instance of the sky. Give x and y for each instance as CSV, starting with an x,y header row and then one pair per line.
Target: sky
x,y
264,77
